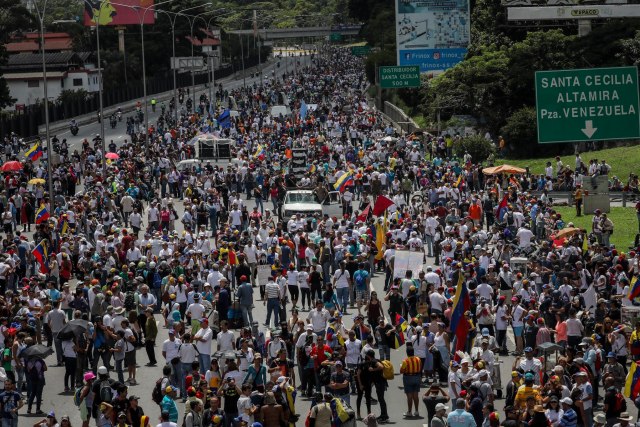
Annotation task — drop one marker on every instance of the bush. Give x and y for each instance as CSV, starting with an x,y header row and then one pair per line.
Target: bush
x,y
479,147
70,96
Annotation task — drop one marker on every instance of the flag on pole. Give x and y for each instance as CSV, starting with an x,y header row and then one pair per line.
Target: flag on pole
x,y
461,302
303,110
632,384
402,322
502,208
381,235
260,153
42,214
343,182
63,224
458,182
399,340
34,152
381,205
224,119
365,214
634,288
41,254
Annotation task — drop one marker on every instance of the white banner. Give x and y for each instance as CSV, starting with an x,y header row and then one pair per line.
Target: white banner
x,y
264,273
405,261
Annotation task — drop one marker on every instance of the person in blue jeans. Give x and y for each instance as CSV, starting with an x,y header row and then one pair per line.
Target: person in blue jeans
x,y
341,283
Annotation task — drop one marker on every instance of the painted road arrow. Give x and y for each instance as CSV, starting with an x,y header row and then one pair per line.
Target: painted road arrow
x,y
588,129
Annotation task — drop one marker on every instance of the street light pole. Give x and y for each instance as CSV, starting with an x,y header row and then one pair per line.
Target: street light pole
x,y
41,15
102,118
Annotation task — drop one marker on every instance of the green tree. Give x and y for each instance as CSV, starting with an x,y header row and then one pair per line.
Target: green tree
x,y
520,132
13,17
477,146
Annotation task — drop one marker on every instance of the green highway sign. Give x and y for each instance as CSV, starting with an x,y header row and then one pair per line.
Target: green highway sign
x,y
335,37
587,104
361,50
396,77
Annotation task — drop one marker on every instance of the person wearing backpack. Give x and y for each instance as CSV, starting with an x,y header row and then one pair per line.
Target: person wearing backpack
x,y
373,370
102,390
614,402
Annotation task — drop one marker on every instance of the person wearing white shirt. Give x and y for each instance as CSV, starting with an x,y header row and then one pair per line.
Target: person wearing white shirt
x,y
203,339
318,319
341,281
225,339
524,236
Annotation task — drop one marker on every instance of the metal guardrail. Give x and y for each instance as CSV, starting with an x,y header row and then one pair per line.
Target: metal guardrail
x,y
399,118
614,196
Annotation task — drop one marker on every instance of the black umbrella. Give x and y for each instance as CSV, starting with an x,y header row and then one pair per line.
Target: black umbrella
x,y
37,350
73,329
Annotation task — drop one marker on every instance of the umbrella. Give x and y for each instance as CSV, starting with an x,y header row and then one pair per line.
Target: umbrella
x,y
112,156
72,329
502,169
11,166
37,350
566,232
35,181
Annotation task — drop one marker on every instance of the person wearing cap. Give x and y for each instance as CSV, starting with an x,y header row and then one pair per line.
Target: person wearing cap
x,y
531,364
512,388
613,369
168,403
150,334
585,396
569,417
526,390
244,294
339,383
195,311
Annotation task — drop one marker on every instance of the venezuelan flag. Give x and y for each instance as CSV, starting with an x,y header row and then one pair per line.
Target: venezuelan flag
x,y
34,152
42,214
63,224
259,152
461,303
312,168
458,182
344,181
632,384
381,236
402,322
332,330
634,291
398,341
41,254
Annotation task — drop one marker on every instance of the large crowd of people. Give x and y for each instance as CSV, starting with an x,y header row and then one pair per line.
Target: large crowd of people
x,y
86,273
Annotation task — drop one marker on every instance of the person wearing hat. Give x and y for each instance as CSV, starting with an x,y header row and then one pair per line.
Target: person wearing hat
x,y
569,416
586,395
613,369
526,390
168,403
531,364
195,311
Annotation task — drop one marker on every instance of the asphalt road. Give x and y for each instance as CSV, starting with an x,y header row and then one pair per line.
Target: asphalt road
x,y
54,397
119,135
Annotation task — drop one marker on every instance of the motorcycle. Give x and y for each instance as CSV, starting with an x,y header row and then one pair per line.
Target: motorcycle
x,y
74,130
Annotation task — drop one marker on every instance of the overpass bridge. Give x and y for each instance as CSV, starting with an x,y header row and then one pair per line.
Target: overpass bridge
x,y
300,32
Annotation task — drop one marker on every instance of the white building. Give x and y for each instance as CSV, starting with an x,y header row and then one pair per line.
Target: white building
x,y
65,71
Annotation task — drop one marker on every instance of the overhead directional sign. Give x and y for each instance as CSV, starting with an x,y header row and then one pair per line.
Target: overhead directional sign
x,y
393,77
361,50
587,104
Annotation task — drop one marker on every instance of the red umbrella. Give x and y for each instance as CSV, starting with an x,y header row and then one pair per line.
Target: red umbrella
x,y
11,166
112,156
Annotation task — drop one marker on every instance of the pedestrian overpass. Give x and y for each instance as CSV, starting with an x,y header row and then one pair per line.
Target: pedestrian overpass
x,y
300,32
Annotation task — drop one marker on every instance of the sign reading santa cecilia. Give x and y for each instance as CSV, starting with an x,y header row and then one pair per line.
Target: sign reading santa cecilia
x,y
587,104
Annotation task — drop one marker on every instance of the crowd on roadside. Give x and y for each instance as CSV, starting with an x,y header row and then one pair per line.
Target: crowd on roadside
x,y
110,254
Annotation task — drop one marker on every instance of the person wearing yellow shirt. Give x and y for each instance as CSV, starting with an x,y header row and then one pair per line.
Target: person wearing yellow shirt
x,y
526,390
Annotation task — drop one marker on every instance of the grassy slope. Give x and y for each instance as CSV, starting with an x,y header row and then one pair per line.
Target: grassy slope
x,y
624,220
623,160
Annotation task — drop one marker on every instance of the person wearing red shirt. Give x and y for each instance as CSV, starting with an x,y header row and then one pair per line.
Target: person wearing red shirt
x,y
319,353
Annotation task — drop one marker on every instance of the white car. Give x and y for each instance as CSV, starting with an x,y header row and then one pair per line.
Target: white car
x,y
298,202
